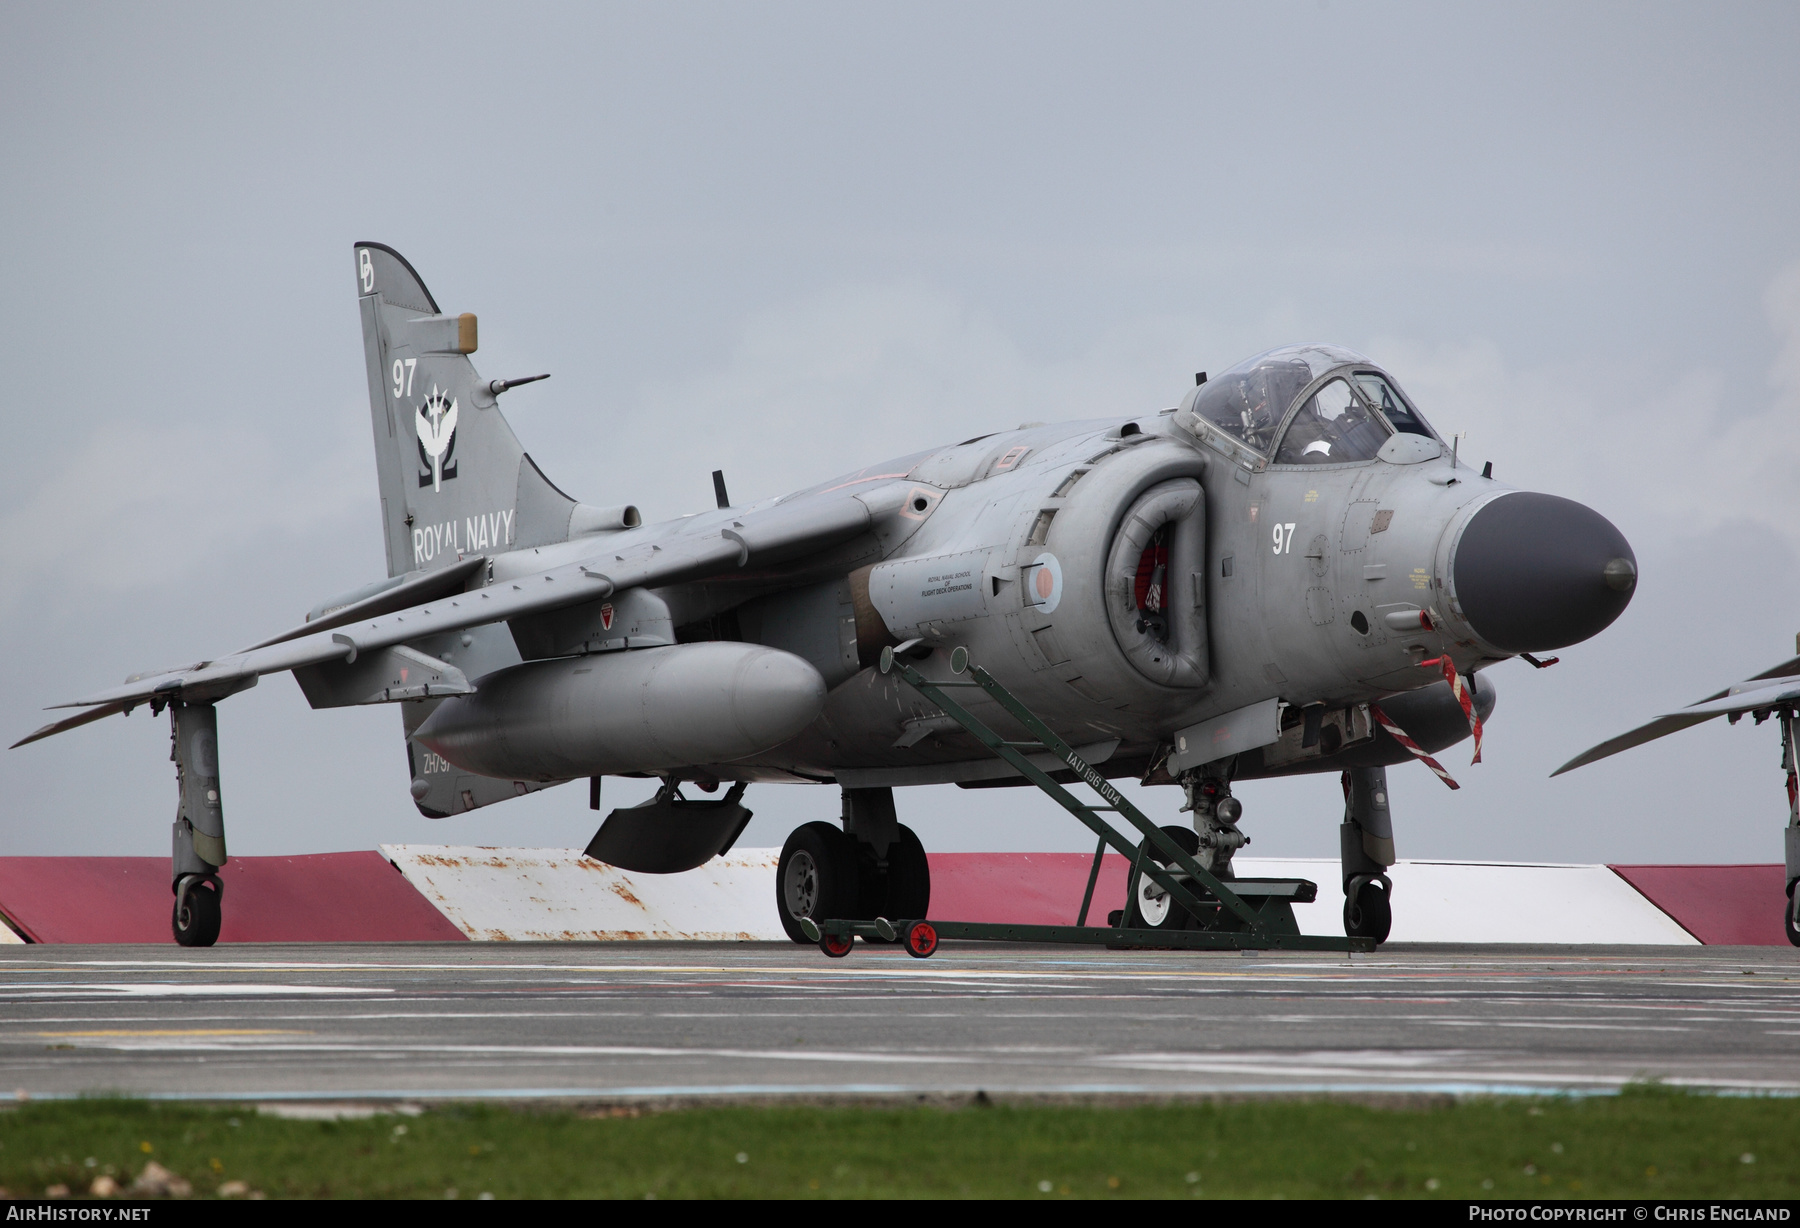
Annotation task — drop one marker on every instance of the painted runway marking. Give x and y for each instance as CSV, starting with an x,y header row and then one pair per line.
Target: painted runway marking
x,y
169,991
162,1032
384,1050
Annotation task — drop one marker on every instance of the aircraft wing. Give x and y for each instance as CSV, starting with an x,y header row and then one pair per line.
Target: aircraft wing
x,y
1778,685
416,590
771,533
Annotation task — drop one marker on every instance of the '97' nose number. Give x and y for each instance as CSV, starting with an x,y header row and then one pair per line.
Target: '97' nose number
x,y
1284,538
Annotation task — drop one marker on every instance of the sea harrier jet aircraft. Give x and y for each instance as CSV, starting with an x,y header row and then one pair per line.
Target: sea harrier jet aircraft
x,y
1288,572
1774,692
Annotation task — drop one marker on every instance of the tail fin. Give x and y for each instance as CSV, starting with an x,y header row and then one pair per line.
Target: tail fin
x,y
454,480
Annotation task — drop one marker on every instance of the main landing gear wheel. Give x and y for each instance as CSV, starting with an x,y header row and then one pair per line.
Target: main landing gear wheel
x,y
1368,913
816,878
1152,908
920,939
902,889
198,914
908,877
1791,917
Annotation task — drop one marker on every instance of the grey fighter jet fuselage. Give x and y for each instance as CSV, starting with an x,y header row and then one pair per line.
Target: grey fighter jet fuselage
x,y
1238,586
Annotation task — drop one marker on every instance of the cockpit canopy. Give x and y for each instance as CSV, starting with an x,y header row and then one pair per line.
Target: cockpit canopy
x,y
1349,410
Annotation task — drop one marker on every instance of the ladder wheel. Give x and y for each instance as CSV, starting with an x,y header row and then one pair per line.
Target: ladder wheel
x,y
836,946
921,939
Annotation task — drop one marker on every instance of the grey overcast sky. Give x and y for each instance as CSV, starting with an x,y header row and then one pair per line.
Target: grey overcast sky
x,y
787,239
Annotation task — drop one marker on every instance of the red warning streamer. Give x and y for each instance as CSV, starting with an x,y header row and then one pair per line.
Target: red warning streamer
x,y
1462,697
1412,747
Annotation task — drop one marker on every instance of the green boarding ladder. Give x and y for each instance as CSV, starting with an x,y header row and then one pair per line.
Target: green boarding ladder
x,y
1253,917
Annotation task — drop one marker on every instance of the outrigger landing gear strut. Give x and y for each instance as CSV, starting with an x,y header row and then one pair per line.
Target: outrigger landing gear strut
x,y
1250,914
1791,767
199,825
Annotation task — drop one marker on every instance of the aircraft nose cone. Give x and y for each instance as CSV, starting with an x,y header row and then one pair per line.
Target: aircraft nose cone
x,y
1535,572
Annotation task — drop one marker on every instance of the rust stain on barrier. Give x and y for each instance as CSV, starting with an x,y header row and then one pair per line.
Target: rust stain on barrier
x,y
511,895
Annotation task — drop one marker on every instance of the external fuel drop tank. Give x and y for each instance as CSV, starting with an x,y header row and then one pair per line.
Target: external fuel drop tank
x,y
648,710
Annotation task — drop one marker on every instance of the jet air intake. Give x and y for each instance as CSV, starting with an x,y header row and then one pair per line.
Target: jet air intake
x,y
1533,572
651,710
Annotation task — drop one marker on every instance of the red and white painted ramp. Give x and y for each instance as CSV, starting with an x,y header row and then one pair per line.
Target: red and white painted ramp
x,y
1466,901
549,894
322,897
536,894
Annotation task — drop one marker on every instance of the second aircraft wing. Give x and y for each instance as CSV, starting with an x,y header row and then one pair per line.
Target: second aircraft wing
x,y
1780,684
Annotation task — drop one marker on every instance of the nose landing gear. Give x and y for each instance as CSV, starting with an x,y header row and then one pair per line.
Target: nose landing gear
x,y
1216,837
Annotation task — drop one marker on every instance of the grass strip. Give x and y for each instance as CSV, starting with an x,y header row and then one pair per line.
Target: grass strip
x,y
1645,1143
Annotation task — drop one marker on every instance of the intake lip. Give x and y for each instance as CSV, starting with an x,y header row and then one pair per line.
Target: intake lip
x,y
1535,572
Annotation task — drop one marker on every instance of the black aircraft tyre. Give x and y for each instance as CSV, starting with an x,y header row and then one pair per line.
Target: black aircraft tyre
x,y
908,878
1368,913
1150,908
198,916
815,878
1789,922
902,891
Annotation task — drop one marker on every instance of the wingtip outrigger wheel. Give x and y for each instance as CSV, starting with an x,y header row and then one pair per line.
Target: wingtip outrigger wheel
x,y
199,911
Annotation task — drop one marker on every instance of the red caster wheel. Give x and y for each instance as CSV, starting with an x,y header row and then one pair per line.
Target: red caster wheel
x,y
835,946
921,939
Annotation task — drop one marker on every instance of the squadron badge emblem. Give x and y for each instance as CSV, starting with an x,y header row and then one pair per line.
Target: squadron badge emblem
x,y
436,423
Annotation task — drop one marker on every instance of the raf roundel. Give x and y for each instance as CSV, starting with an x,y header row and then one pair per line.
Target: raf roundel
x,y
1044,583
